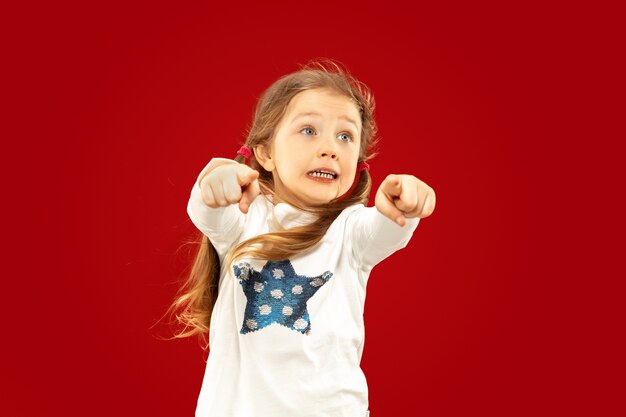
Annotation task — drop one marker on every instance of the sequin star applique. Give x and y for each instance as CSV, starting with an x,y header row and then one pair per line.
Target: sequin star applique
x,y
277,294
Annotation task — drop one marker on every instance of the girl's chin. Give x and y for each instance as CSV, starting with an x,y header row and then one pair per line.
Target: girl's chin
x,y
314,197
318,199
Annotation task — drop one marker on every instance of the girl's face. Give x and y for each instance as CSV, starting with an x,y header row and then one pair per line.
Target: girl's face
x,y
315,149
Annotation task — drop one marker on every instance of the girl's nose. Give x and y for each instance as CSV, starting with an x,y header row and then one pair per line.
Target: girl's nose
x,y
327,150
328,153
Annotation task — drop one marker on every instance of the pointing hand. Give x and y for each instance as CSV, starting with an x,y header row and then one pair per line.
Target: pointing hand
x,y
403,196
230,184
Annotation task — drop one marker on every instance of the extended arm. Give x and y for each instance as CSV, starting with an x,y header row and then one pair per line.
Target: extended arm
x,y
219,200
401,201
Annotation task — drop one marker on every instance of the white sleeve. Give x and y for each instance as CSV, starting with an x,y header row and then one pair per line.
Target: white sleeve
x,y
223,225
374,237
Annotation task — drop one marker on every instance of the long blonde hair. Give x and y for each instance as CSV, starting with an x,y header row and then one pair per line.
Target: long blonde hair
x,y
194,303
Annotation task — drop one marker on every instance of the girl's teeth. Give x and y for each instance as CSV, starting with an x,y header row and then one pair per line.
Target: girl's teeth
x,y
322,175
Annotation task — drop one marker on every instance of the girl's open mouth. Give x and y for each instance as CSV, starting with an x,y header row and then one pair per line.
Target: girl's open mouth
x,y
322,174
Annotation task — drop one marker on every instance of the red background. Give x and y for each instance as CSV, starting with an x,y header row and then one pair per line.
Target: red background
x,y
501,305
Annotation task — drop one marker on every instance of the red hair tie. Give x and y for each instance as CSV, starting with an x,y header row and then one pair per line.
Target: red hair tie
x,y
362,166
245,152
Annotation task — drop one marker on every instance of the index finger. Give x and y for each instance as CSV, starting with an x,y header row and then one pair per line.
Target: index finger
x,y
391,186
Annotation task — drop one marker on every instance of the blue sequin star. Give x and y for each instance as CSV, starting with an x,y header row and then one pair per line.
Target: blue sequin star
x,y
277,295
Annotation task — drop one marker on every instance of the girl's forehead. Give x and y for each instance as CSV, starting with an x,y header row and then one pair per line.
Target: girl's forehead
x,y
322,102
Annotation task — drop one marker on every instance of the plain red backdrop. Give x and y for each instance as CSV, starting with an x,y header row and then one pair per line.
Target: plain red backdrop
x,y
113,109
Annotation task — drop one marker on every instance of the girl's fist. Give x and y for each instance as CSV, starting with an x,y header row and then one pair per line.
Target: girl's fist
x,y
230,184
403,196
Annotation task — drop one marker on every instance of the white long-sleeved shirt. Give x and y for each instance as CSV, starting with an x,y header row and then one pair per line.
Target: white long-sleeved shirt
x,y
286,338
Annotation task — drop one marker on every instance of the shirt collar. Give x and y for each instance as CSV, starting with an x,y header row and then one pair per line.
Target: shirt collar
x,y
287,216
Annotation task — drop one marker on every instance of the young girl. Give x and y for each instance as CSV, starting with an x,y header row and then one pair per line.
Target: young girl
x,y
288,245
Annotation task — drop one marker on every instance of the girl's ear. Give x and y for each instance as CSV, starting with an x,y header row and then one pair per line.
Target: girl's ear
x,y
262,155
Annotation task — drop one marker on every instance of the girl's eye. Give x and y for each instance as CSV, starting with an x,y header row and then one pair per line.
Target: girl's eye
x,y
345,137
308,129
